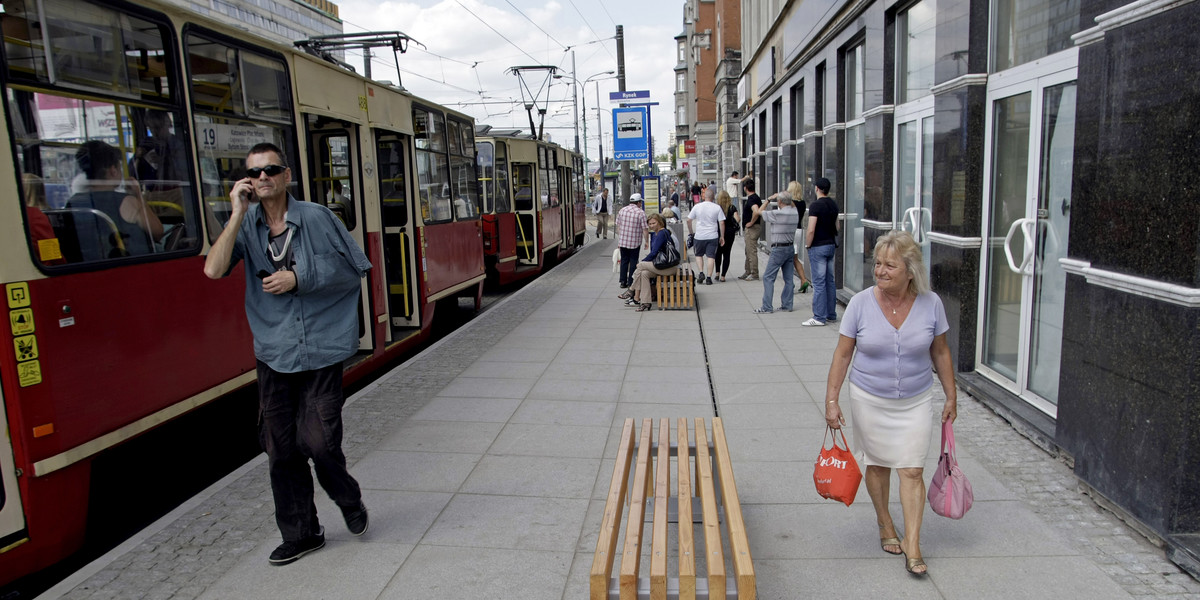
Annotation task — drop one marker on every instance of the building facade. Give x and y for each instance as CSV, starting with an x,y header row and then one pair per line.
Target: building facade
x,y
1043,154
700,26
283,20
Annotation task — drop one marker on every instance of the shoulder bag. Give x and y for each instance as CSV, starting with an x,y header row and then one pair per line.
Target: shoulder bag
x,y
950,494
667,256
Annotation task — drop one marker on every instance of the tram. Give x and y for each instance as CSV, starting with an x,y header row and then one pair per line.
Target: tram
x,y
114,327
533,200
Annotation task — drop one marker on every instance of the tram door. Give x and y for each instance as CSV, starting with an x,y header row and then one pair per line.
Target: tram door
x,y
1029,158
525,204
914,175
12,517
567,201
392,160
333,160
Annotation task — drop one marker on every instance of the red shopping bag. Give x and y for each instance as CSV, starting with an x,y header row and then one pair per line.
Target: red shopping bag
x,y
836,472
950,494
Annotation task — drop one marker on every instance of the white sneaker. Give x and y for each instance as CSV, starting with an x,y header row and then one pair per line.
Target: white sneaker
x,y
813,322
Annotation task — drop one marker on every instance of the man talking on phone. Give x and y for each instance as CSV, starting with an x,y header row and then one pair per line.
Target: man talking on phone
x,y
303,275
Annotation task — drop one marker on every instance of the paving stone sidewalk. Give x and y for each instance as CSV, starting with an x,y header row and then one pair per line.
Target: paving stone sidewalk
x,y
186,553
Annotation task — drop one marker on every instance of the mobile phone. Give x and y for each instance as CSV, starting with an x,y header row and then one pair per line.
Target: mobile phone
x,y
262,274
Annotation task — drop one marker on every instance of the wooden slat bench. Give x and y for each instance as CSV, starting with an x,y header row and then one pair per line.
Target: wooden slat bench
x,y
651,496
676,292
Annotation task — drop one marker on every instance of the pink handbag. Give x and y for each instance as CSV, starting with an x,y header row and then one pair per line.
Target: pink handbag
x,y
950,493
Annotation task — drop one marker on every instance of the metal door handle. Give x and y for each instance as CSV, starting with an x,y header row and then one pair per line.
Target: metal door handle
x,y
1026,226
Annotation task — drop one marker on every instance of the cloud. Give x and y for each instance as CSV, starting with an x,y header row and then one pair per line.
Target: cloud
x,y
464,62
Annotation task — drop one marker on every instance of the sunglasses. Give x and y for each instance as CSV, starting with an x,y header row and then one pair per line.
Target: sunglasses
x,y
270,170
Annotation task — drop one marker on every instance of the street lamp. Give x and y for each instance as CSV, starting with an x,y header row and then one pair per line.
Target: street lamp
x,y
599,123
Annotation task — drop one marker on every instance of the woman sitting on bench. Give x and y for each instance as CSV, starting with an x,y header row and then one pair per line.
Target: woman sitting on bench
x,y
639,293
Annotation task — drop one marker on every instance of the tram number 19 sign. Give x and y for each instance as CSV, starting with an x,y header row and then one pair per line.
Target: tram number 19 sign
x,y
236,139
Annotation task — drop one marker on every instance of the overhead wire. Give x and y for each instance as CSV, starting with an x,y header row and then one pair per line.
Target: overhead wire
x,y
535,24
514,45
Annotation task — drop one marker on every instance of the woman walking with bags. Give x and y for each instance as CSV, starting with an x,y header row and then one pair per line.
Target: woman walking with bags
x,y
639,292
899,328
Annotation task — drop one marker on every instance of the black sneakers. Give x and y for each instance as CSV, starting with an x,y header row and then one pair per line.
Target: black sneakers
x,y
290,552
356,519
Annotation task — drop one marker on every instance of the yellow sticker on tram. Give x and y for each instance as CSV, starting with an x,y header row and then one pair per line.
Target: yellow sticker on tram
x,y
26,347
21,321
49,250
18,294
29,373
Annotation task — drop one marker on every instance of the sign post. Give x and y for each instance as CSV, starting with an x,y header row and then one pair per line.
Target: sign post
x,y
631,133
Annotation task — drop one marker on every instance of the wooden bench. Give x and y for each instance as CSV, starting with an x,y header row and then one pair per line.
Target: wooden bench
x,y
676,292
650,500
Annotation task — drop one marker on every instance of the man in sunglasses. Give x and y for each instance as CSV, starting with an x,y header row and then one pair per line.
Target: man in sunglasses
x,y
303,273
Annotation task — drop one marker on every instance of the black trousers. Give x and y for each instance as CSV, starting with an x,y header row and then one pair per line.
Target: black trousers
x,y
300,417
629,261
723,257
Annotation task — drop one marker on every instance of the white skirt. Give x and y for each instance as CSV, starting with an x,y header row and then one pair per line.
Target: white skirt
x,y
891,432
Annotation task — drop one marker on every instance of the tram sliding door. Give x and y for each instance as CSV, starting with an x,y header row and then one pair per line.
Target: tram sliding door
x,y
526,207
1030,158
12,517
333,160
392,160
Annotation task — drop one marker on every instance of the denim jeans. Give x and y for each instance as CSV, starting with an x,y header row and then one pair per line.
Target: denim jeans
x,y
780,258
629,261
300,417
820,269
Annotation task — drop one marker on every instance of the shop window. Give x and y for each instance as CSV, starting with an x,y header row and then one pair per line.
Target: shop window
x,y
915,50
1026,30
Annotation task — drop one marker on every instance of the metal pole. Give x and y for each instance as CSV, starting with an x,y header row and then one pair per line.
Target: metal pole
x,y
575,99
600,133
583,102
621,86
366,61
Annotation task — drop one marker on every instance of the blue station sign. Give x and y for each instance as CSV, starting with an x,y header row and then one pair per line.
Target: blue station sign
x,y
629,96
631,133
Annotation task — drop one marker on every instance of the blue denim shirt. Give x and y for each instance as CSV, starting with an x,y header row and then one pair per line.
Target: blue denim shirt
x,y
315,325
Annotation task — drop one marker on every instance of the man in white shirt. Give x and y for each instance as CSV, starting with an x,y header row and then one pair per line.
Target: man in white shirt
x,y
733,185
602,207
706,223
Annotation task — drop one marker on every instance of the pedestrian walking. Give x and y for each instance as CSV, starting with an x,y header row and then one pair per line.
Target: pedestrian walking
x,y
731,230
797,192
895,331
752,230
631,234
303,273
706,225
821,243
781,219
602,207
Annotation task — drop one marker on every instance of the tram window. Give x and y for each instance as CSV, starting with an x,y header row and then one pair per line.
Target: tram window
x,y
226,127
485,159
503,204
543,177
523,196
433,166
92,47
389,153
101,179
331,183
462,168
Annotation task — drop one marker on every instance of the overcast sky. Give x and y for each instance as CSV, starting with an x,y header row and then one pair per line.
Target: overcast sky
x,y
470,44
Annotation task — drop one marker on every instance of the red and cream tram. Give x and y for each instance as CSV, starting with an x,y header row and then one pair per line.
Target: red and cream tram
x,y
533,203
114,328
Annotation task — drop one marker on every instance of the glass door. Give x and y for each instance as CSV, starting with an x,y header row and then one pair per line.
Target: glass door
x,y
914,174
1029,159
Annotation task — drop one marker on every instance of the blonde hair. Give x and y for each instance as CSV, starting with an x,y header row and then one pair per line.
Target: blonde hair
x,y
796,190
724,200
35,191
902,244
662,222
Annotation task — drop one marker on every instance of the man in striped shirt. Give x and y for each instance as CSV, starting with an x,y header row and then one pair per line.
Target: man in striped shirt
x,y
631,234
781,233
